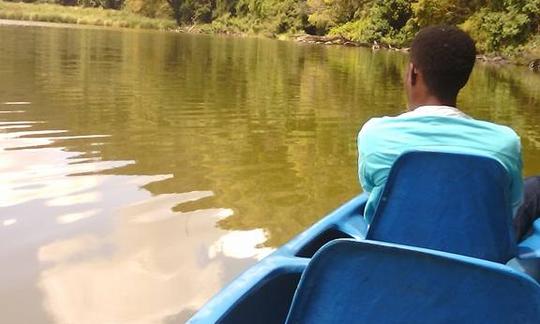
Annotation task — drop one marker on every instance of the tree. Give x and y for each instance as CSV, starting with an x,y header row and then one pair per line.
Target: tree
x,y
325,14
176,6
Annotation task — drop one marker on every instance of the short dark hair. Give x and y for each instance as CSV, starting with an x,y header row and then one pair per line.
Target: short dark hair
x,y
445,55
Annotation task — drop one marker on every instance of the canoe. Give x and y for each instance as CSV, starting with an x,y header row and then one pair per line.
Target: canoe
x,y
264,293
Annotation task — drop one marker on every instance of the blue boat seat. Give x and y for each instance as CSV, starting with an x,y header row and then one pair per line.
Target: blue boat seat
x,y
449,202
263,293
528,259
350,281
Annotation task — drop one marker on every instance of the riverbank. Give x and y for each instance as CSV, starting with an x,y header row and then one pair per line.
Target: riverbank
x,y
52,13
82,16
523,56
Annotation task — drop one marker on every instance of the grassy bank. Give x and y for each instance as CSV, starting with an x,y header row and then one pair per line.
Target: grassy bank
x,y
284,20
79,15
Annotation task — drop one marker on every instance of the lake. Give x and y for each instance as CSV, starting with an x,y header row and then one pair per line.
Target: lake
x,y
142,171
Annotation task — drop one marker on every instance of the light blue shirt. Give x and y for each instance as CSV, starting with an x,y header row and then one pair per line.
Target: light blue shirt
x,y
433,128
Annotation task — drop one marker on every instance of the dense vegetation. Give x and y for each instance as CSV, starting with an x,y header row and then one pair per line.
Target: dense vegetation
x,y
79,15
502,26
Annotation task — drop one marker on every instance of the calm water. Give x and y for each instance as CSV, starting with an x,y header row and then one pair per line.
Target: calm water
x,y
141,171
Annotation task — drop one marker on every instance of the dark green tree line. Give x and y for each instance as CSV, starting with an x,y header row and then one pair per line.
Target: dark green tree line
x,y
497,25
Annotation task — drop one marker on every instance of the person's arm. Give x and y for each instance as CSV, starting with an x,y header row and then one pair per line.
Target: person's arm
x,y
514,165
516,191
365,178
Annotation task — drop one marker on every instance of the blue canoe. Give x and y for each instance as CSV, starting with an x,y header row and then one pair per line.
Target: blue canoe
x,y
434,253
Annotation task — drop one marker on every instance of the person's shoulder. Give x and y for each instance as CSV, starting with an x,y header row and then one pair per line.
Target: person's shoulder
x,y
378,122
382,128
501,130
513,141
374,127
503,137
371,123
371,134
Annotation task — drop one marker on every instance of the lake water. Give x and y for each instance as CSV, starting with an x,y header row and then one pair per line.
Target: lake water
x,y
142,171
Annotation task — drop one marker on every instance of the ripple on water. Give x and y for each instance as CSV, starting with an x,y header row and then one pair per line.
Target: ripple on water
x,y
141,171
100,231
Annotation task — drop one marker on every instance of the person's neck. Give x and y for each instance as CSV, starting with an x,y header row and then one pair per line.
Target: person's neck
x,y
432,101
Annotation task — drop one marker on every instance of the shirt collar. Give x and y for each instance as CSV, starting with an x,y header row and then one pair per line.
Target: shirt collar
x,y
432,110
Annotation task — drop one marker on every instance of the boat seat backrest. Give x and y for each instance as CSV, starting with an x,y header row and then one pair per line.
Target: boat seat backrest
x,y
352,282
448,202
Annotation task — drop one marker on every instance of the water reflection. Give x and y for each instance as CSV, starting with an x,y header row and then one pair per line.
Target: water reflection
x,y
9,222
79,271
143,170
158,263
139,274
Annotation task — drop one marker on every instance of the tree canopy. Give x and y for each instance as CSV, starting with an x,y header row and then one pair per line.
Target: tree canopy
x,y
497,25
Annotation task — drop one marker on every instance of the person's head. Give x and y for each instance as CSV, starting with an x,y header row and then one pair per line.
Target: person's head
x,y
441,60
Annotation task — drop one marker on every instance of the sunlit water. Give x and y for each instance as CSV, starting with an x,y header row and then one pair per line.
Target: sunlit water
x,y
142,171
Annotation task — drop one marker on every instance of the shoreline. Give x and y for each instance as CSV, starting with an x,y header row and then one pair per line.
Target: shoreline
x,y
492,59
342,41
75,15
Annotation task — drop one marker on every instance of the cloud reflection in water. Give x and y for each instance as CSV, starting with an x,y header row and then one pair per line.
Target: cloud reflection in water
x,y
107,250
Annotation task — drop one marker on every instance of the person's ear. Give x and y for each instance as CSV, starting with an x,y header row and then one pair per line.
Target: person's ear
x,y
410,79
413,74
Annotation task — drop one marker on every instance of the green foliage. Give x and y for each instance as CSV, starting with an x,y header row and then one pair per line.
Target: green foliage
x,y
152,9
513,23
433,12
223,7
325,14
83,16
353,30
192,11
497,25
107,4
427,12
387,18
495,30
285,15
384,22
261,16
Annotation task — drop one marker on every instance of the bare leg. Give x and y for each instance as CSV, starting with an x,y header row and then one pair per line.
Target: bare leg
x,y
529,211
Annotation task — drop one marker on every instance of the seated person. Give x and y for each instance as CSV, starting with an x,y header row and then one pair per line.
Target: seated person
x,y
441,60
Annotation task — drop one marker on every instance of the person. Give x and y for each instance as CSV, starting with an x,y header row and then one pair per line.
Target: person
x,y
441,61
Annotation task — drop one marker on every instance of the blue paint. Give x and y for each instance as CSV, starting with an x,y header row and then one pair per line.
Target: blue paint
x,y
351,282
264,293
448,202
